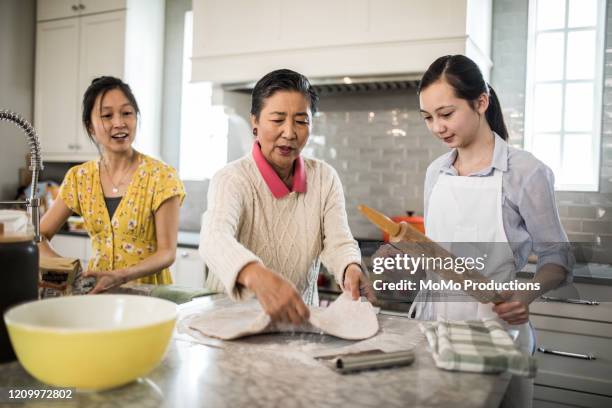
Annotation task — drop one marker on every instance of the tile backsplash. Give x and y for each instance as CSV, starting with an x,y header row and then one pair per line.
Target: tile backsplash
x,y
378,144
380,147
194,205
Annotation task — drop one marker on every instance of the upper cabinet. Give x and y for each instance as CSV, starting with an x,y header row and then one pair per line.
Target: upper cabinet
x,y
57,66
69,54
54,9
71,50
334,38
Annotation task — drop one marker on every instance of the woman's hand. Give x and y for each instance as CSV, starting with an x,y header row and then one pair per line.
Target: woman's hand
x,y
106,280
355,283
514,309
278,297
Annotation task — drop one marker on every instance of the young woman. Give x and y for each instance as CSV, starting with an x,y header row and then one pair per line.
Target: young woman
x,y
485,191
129,201
274,215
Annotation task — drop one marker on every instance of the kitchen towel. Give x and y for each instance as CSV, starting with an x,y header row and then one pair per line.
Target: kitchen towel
x,y
175,293
482,346
179,294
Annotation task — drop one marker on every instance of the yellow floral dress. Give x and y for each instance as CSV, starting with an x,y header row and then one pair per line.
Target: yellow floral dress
x,y
129,237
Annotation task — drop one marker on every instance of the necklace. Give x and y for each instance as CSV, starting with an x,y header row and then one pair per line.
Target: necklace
x,y
115,188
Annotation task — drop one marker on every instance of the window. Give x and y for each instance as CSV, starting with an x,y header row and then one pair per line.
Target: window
x,y
564,89
204,127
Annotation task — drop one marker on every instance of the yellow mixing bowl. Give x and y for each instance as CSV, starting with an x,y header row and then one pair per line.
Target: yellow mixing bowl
x,y
91,342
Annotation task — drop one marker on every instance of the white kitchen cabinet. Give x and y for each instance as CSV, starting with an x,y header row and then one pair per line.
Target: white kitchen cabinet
x,y
74,49
97,6
57,67
339,38
71,246
579,329
546,397
54,9
101,52
69,54
188,268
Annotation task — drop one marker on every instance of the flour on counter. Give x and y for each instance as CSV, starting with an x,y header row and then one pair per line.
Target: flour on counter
x,y
344,318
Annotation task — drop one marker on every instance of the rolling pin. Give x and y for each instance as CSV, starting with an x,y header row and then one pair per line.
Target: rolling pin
x,y
399,232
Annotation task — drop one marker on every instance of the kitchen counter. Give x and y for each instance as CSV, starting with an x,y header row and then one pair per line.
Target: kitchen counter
x,y
185,239
277,369
593,273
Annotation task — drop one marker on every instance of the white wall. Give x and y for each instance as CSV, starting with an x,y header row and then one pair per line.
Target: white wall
x,y
173,85
143,68
17,40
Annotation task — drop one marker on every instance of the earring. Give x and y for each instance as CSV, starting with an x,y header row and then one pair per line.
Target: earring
x,y
255,132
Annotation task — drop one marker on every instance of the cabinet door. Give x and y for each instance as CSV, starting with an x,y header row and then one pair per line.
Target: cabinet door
x,y
590,376
53,9
397,20
250,26
71,247
343,22
102,45
97,6
56,110
188,268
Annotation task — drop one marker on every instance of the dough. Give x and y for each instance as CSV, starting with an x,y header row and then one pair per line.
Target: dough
x,y
344,318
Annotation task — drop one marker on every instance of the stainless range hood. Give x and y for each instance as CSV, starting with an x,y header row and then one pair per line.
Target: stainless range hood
x,y
346,84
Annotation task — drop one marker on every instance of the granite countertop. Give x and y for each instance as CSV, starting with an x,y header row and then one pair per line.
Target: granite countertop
x,y
278,369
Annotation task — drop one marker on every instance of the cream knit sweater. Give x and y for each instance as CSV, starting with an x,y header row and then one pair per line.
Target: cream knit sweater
x,y
290,235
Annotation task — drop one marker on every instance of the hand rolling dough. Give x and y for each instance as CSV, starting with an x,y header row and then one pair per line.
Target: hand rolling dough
x,y
344,318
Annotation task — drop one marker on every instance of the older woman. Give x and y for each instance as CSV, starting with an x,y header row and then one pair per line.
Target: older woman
x,y
273,215
129,201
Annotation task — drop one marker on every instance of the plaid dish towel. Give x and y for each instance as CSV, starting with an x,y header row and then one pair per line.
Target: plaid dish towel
x,y
481,346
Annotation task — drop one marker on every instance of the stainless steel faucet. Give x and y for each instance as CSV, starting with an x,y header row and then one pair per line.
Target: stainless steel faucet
x,y
36,165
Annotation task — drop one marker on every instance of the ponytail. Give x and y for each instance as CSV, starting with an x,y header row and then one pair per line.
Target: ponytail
x,y
494,115
466,79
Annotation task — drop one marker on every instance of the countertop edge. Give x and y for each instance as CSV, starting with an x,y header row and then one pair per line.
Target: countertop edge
x,y
186,239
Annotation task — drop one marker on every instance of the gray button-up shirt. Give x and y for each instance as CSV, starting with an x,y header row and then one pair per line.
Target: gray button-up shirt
x,y
529,212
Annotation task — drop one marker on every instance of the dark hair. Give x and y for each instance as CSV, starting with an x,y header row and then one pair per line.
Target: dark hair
x,y
466,79
282,80
100,86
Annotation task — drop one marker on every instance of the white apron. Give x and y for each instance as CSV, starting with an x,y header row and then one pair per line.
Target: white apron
x,y
469,209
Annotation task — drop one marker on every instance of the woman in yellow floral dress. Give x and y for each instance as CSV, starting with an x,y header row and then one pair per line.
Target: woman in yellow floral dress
x,y
129,201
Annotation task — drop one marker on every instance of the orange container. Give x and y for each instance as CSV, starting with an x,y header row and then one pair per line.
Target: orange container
x,y
415,221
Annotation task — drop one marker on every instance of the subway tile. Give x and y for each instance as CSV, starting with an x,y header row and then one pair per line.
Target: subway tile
x,y
381,165
576,237
583,212
572,226
370,177
395,154
599,199
569,198
605,185
380,190
603,213
358,165
393,178
367,153
599,227
382,141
